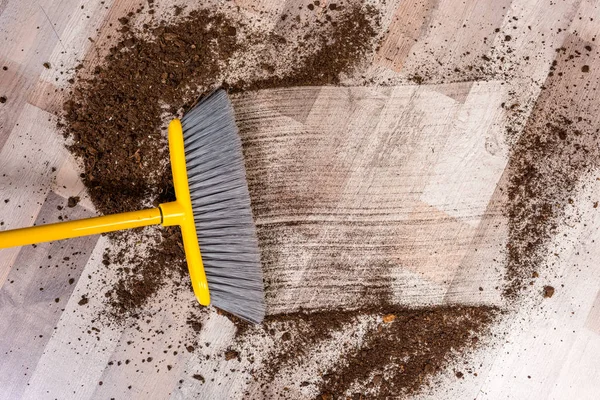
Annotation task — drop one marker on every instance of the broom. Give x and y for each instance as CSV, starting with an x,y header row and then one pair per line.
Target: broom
x,y
212,209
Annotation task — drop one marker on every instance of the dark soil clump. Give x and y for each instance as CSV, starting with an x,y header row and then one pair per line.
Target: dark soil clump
x,y
72,201
347,41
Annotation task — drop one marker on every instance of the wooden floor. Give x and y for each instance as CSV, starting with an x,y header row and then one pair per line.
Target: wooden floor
x,y
435,160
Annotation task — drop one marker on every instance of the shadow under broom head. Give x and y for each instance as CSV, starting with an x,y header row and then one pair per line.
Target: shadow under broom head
x,y
221,207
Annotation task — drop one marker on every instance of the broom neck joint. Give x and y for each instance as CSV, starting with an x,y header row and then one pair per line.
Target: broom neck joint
x,y
172,213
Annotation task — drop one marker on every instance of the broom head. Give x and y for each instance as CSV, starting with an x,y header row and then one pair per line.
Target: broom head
x,y
220,240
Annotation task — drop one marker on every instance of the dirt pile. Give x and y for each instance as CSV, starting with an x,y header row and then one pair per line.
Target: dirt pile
x,y
115,117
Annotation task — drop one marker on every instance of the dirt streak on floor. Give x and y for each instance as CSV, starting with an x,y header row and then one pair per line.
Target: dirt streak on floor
x,y
340,191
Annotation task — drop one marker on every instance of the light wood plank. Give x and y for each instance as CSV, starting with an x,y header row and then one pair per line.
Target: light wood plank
x,y
28,162
28,307
426,159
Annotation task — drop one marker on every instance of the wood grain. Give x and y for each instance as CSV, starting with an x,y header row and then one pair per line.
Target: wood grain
x,y
34,296
364,185
395,190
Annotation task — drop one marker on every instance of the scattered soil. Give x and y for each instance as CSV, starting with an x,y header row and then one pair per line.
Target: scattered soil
x,y
393,358
397,358
558,147
141,279
303,331
116,115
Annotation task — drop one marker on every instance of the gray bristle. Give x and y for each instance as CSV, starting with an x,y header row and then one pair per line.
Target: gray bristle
x,y
221,203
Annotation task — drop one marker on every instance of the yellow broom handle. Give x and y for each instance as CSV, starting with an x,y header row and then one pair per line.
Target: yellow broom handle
x,y
82,227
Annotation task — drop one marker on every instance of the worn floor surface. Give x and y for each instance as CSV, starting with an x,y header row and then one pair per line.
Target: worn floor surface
x,y
401,183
